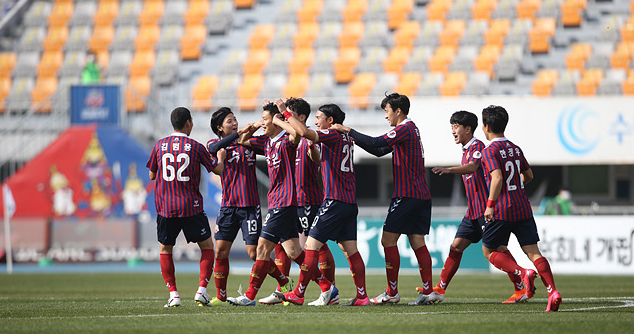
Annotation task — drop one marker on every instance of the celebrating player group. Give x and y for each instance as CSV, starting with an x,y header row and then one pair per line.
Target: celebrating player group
x,y
312,199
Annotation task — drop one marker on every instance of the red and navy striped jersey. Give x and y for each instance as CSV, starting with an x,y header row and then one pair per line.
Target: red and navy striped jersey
x,y
408,161
280,160
176,160
474,183
337,167
512,204
239,184
307,183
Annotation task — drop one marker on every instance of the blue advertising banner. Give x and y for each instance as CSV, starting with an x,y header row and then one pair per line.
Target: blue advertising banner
x,y
95,104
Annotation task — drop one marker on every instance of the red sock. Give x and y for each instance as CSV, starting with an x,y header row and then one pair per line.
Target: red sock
x,y
206,266
167,270
307,271
221,272
543,268
282,260
449,268
517,280
300,258
258,274
503,262
357,269
327,263
392,266
318,277
424,267
275,272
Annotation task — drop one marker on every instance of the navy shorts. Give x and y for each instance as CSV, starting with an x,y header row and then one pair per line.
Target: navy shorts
x,y
498,232
306,215
195,228
471,229
408,215
231,219
280,224
335,221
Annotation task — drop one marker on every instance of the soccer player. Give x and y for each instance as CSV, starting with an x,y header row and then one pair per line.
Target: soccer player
x,y
337,217
240,207
508,209
309,197
175,165
410,208
463,125
280,224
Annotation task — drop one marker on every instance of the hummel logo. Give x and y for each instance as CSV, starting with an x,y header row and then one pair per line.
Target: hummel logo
x,y
518,272
549,289
393,285
302,288
426,285
468,176
361,290
202,232
223,293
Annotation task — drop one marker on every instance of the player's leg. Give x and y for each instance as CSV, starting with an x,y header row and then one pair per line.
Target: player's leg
x,y
308,270
392,266
282,260
167,231
426,292
206,269
228,224
307,215
452,263
357,269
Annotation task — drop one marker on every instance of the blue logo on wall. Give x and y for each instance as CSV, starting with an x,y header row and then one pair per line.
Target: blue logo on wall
x,y
572,131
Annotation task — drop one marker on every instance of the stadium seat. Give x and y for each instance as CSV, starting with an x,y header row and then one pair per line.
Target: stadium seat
x,y
576,58
197,11
220,17
474,33
193,40
107,12
505,9
273,86
38,13
544,82
19,98
301,61
147,36
428,36
600,56
119,63
279,61
526,9
5,89
61,13
477,84
45,86
244,3
248,91
437,10
622,56
376,34
396,59
571,13
452,33
102,36
419,59
628,84
566,85
309,11
261,36
78,38
398,12
26,64
227,90
202,92
305,35
170,36
152,11
321,88
376,10
56,38
142,62
324,60
498,29
297,85
406,34
453,84
464,59
174,12
442,57
124,37
233,62
84,13
346,63
589,82
612,83
73,63
165,72
359,88
354,11
7,63
408,83
487,58
482,9
328,35
541,35
50,63
256,61
129,12
136,93
32,38
372,60
351,34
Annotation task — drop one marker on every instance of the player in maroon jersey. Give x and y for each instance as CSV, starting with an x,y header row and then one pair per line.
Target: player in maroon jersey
x,y
240,207
337,217
508,209
463,125
410,208
175,165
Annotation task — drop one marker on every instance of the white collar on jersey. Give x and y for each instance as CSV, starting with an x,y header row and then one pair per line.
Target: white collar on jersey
x,y
499,139
404,121
179,134
279,135
473,139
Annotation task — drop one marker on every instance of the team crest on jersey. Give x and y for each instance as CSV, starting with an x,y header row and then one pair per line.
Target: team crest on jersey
x,y
326,131
391,134
477,155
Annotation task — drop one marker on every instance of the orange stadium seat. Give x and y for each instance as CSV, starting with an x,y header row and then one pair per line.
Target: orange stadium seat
x,y
107,11
192,42
497,32
102,36
147,37
408,83
544,82
359,89
249,90
256,61
306,35
142,62
354,11
7,63
407,33
301,61
571,13
346,63
541,34
589,82
437,10
5,89
136,93
622,55
56,38
481,10
398,12
45,86
442,57
61,13
487,58
309,11
628,84
396,59
526,9
152,11
627,30
244,3
261,36
203,91
196,12
453,84
50,62
297,85
453,31
576,58
351,33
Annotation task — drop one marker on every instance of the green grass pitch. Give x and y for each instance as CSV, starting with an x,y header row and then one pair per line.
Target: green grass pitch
x,y
133,303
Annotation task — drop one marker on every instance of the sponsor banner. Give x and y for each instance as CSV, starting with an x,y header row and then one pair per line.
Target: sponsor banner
x,y
94,104
600,245
552,131
441,235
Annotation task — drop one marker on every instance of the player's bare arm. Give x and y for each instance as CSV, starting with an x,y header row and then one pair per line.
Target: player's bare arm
x,y
247,132
152,175
527,176
340,128
468,168
301,128
494,193
314,153
221,155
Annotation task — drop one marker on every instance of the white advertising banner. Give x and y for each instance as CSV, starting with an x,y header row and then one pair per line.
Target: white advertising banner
x,y
551,131
599,245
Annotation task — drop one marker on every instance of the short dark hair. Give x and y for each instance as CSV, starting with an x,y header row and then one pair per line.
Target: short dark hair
x,y
271,108
496,118
298,105
396,101
217,118
465,119
333,110
179,117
